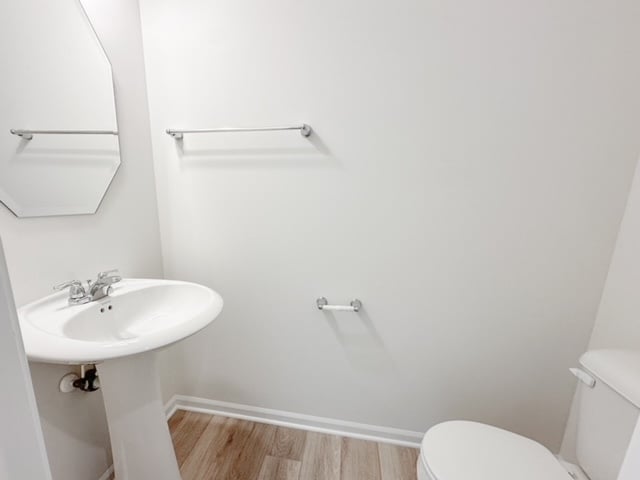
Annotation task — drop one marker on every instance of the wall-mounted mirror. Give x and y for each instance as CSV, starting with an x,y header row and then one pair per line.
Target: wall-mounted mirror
x,y
58,133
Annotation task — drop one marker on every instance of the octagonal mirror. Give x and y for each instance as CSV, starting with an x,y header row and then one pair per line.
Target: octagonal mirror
x,y
59,145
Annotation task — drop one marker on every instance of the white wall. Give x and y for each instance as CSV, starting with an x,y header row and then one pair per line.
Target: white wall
x,y
617,324
466,180
124,233
22,450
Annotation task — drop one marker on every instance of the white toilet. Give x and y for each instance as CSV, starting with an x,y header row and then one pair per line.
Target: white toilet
x,y
609,406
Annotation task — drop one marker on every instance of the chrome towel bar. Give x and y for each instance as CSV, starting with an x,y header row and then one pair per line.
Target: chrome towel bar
x,y
305,130
354,306
28,134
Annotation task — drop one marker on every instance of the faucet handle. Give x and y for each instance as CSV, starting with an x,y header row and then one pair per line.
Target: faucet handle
x,y
106,273
71,283
76,290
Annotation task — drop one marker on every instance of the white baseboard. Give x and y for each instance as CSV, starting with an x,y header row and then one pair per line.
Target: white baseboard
x,y
171,406
107,475
311,423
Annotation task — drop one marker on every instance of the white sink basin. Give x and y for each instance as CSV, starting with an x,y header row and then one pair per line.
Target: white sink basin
x,y
138,316
119,333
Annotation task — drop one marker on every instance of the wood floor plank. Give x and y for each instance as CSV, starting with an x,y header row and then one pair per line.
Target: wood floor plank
x,y
359,460
213,454
321,458
289,443
397,463
248,460
186,429
218,448
176,418
274,468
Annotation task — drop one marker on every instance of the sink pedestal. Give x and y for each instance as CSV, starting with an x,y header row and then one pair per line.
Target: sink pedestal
x,y
140,439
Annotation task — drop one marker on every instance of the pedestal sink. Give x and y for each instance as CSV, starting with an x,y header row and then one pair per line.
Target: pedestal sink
x,y
120,334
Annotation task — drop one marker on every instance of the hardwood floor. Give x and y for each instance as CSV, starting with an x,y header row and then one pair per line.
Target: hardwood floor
x,y
218,448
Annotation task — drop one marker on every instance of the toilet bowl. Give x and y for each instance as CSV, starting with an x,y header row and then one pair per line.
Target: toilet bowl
x,y
608,410
460,450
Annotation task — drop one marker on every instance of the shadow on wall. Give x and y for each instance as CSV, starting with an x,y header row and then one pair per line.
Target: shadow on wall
x,y
362,344
26,147
238,150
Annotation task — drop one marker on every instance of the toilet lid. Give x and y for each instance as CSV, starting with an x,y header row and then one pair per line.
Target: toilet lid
x,y
462,450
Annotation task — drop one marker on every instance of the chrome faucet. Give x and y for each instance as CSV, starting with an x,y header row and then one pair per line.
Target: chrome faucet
x,y
77,293
95,290
101,287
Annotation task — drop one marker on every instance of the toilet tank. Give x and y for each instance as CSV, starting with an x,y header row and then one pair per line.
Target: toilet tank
x,y
607,411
